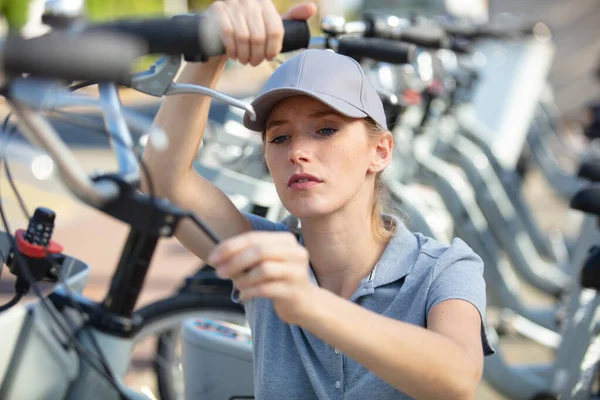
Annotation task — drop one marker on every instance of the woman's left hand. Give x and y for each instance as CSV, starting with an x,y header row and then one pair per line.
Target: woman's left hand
x,y
268,264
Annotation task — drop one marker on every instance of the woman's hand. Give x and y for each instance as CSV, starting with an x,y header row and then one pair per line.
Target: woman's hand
x,y
268,264
251,30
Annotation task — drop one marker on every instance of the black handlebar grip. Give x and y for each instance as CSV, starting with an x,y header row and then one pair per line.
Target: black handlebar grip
x,y
426,36
485,31
296,35
176,35
384,50
99,57
196,36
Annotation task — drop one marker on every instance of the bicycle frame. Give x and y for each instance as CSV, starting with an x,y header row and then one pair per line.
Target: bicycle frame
x,y
498,209
471,226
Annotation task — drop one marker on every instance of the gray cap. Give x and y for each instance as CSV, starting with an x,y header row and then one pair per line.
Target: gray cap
x,y
334,79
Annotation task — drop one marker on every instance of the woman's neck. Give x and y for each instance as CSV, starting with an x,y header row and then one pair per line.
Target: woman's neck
x,y
342,251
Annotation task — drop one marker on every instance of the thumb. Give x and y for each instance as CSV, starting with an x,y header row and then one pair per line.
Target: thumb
x,y
301,12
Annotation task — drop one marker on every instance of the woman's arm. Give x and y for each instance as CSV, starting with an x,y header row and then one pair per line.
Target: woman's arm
x,y
251,31
444,361
441,362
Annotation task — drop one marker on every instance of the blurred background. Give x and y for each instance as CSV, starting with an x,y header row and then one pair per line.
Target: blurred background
x,y
98,239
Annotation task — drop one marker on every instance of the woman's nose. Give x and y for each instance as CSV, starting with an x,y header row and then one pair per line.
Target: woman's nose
x,y
299,150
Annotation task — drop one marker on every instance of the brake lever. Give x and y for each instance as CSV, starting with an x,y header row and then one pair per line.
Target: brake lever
x,y
158,81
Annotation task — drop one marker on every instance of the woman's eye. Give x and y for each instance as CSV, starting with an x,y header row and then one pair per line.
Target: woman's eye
x,y
327,131
278,139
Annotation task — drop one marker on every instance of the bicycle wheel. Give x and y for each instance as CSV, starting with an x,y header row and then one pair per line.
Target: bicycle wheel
x,y
162,326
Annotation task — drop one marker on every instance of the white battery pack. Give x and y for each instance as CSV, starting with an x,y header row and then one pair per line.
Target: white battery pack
x,y
217,360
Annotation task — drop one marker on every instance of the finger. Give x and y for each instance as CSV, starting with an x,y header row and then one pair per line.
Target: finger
x,y
301,12
274,31
272,290
252,256
241,34
265,271
257,34
225,27
232,246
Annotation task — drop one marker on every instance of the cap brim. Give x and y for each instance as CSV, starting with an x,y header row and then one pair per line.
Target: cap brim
x,y
264,103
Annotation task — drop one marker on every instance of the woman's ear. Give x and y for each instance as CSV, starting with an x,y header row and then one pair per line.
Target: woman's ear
x,y
383,148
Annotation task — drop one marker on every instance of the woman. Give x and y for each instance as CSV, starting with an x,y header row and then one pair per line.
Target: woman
x,y
358,307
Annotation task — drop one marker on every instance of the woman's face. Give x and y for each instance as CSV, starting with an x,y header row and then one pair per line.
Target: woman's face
x,y
320,160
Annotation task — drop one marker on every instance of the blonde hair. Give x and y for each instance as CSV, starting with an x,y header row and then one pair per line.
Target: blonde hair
x,y
384,230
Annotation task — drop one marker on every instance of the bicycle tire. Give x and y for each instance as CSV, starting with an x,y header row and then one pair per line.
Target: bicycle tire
x,y
163,318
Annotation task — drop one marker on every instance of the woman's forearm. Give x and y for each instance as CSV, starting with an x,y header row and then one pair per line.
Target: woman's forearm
x,y
183,118
416,361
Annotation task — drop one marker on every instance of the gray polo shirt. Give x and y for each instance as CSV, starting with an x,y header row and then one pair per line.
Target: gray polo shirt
x,y
413,274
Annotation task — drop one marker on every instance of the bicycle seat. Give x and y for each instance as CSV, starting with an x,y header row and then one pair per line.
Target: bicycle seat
x,y
587,200
590,273
590,170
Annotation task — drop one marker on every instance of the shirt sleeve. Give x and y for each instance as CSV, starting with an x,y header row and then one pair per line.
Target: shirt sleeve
x,y
262,224
458,274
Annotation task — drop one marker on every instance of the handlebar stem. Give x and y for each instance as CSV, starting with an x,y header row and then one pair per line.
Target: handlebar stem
x,y
120,137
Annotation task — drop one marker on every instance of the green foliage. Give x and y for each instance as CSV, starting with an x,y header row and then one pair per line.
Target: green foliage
x,y
15,13
104,10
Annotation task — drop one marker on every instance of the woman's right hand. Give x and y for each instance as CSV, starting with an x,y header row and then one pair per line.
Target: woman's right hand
x,y
252,30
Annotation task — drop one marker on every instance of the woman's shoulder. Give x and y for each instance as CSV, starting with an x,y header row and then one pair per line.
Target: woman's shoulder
x,y
434,256
445,253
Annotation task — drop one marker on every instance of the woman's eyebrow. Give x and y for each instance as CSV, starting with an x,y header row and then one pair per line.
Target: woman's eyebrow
x,y
319,114
275,123
324,113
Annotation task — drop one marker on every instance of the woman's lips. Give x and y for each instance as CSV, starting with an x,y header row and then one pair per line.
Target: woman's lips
x,y
302,185
303,181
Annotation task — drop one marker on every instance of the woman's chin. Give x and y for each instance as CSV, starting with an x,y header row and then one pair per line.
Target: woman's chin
x,y
306,212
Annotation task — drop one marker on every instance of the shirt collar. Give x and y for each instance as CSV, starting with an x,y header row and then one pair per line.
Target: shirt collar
x,y
395,262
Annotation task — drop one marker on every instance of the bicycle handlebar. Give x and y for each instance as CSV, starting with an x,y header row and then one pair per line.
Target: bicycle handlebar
x,y
193,35
100,56
473,32
429,34
377,49
390,27
106,52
